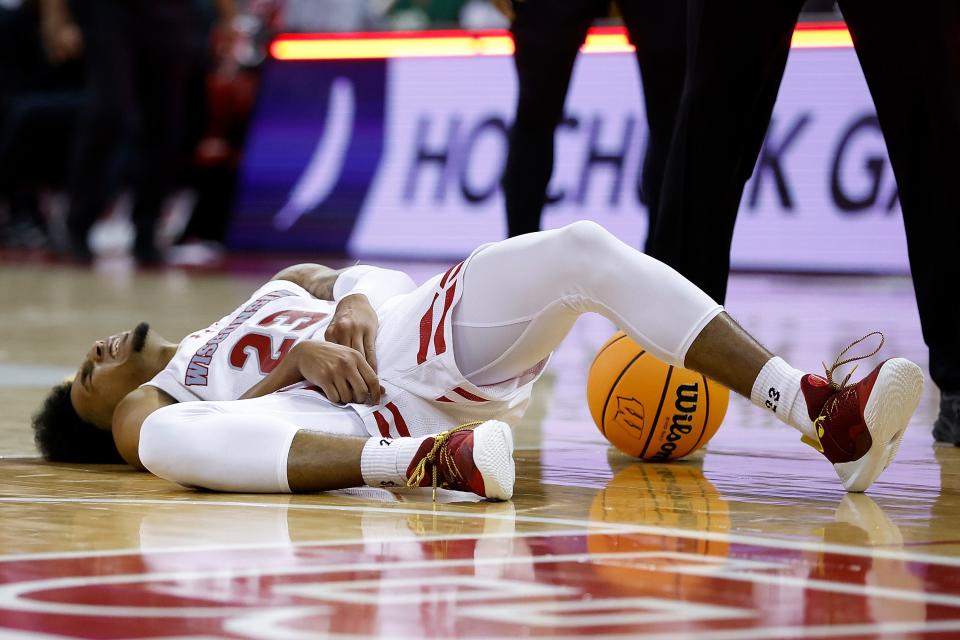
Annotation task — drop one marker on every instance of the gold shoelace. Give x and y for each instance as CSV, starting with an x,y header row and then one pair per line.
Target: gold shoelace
x,y
439,449
837,388
839,363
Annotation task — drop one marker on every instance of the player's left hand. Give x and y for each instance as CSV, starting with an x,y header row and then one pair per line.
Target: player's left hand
x,y
355,325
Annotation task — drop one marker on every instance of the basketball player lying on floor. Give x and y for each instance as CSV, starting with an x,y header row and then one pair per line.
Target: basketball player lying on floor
x,y
330,379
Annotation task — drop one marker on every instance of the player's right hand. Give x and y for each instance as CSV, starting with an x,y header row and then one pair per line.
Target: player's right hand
x,y
354,324
342,373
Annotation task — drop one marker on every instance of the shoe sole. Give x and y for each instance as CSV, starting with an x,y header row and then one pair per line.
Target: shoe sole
x,y
493,457
894,398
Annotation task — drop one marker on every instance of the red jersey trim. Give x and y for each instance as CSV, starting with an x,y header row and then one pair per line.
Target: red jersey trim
x,y
382,424
439,343
398,420
469,396
426,328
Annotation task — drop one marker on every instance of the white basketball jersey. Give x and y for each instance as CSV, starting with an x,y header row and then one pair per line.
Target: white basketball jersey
x,y
233,354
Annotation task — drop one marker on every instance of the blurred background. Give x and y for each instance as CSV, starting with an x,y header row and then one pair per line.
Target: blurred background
x,y
154,134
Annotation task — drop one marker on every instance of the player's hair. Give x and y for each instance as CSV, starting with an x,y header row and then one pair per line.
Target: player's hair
x,y
63,436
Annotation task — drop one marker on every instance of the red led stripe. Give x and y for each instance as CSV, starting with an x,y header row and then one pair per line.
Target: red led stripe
x,y
439,44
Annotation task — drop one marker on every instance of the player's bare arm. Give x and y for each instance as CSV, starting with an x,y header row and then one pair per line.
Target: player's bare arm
x,y
339,371
344,367
317,279
355,320
128,419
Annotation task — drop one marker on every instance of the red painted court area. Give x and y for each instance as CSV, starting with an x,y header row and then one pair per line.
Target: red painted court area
x,y
601,584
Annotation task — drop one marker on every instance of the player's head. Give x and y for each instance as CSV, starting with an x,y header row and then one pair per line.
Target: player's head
x,y
63,436
77,412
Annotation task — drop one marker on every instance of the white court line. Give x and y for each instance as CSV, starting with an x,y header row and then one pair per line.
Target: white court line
x,y
590,525
778,633
757,633
268,629
603,612
16,634
438,537
408,591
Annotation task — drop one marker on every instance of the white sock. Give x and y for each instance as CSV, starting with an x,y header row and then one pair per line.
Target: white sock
x,y
384,461
777,389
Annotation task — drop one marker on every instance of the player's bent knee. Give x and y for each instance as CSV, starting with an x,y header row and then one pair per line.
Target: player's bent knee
x,y
586,235
195,444
586,252
584,242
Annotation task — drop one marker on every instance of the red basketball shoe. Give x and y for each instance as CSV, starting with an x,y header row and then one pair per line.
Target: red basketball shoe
x,y
476,457
859,427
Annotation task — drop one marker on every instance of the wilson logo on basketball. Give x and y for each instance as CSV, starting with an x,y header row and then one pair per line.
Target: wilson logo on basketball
x,y
681,423
648,408
630,413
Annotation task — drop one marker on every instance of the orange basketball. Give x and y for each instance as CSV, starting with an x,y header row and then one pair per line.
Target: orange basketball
x,y
649,409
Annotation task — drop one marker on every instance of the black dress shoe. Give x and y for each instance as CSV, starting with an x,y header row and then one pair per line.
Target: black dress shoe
x,y
947,427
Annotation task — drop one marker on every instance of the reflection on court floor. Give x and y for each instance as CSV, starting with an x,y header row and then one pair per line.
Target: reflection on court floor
x,y
756,539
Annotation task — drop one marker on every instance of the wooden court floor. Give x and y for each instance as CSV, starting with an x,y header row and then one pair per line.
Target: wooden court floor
x,y
755,540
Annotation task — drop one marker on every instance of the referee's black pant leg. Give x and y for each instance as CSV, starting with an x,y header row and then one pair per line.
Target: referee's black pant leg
x,y
658,31
163,59
911,60
547,36
109,116
736,53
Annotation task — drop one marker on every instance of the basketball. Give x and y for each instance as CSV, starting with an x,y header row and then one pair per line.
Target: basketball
x,y
648,409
